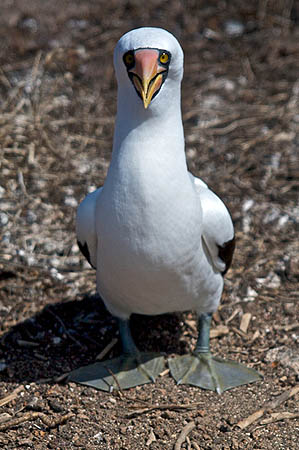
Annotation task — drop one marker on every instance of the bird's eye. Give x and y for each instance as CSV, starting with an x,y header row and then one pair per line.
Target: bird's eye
x,y
164,58
129,59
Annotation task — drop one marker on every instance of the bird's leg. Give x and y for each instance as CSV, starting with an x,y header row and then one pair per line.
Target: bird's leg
x,y
128,344
206,371
203,339
132,368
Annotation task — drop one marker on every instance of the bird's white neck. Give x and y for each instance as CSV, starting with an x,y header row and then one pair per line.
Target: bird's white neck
x,y
149,136
148,196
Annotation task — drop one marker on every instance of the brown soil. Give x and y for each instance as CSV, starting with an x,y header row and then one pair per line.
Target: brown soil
x,y
240,105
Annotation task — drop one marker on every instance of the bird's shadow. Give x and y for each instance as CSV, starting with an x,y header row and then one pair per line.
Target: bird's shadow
x,y
68,335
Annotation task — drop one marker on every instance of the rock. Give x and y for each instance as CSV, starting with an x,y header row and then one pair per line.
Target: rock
x,y
272,281
99,437
3,219
285,356
234,28
289,308
71,201
247,204
251,294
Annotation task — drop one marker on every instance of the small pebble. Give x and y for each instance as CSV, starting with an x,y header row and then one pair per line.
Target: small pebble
x,y
251,295
56,406
3,219
55,262
247,204
31,217
71,201
3,365
34,404
99,436
234,28
287,357
6,238
29,23
55,274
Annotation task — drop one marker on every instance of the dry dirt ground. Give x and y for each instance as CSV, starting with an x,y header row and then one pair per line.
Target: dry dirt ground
x,y
240,105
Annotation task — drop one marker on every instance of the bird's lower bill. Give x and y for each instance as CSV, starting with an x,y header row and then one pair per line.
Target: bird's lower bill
x,y
147,88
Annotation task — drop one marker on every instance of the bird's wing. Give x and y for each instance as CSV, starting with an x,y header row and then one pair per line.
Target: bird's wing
x,y
86,227
218,230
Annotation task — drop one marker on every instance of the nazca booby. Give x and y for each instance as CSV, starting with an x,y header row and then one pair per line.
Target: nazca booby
x,y
158,237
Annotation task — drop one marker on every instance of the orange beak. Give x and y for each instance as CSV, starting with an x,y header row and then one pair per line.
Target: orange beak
x,y
147,75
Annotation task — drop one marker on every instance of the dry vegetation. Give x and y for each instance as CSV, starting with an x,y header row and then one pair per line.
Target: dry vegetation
x,y
240,105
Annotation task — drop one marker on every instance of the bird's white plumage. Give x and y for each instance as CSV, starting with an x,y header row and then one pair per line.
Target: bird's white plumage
x,y
153,230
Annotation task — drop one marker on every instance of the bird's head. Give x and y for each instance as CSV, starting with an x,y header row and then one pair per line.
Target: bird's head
x,y
145,60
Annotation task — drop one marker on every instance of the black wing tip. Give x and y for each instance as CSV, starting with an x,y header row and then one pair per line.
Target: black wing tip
x,y
85,251
226,252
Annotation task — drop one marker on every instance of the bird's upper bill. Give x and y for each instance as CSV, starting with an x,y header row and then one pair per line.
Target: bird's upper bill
x,y
147,69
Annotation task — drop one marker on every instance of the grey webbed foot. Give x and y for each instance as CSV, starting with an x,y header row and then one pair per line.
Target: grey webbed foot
x,y
210,372
132,368
123,372
206,371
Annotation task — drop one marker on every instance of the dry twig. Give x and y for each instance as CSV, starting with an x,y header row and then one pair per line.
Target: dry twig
x,y
239,332
169,406
8,398
151,438
290,327
276,417
219,331
106,350
268,407
245,322
32,415
183,434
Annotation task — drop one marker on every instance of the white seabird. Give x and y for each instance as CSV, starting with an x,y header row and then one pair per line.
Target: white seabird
x,y
158,237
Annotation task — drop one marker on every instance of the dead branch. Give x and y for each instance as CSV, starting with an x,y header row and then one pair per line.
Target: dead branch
x,y
170,406
12,396
32,415
245,322
106,350
276,417
183,434
268,407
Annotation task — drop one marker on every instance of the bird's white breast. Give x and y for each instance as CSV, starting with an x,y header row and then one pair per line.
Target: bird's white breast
x,y
150,256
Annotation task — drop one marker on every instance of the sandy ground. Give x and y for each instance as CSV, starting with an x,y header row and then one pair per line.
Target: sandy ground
x,y
240,109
